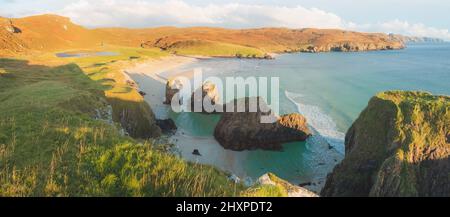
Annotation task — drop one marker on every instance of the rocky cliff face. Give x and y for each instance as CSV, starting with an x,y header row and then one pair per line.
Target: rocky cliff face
x,y
350,47
399,146
244,130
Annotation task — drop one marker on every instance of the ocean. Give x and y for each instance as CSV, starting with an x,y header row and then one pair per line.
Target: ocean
x,y
329,89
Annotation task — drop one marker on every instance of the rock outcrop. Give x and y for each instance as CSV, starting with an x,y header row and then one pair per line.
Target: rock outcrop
x,y
350,47
205,99
136,118
244,131
278,187
398,146
167,126
10,27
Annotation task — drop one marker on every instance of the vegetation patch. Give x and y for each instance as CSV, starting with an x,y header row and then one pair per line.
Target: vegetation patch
x,y
52,143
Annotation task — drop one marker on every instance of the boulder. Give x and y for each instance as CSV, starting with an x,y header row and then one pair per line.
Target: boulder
x,y
398,146
208,92
167,126
281,188
142,93
196,152
244,130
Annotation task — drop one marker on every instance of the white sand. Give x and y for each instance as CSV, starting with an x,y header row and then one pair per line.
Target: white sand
x,y
148,76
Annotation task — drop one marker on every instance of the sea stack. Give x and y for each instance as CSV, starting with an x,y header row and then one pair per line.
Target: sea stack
x,y
173,86
208,92
244,131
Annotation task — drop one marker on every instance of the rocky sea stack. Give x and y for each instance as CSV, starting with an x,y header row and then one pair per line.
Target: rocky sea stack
x,y
173,86
244,131
207,93
398,146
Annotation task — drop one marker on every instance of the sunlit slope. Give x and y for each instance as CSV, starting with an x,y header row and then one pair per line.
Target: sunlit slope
x,y
281,39
52,33
48,33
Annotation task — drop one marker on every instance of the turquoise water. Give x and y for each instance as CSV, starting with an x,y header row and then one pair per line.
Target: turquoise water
x,y
330,89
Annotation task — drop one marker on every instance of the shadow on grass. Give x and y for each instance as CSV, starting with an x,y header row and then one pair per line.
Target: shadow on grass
x,y
136,117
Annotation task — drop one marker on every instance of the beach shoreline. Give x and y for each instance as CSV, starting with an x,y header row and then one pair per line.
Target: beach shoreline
x,y
148,76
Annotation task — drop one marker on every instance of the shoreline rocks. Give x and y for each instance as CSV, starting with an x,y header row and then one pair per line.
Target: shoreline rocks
x,y
350,47
244,131
167,126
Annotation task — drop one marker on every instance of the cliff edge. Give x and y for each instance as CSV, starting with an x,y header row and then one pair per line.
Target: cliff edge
x,y
399,146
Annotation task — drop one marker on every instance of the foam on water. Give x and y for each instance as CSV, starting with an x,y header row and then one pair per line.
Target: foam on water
x,y
320,122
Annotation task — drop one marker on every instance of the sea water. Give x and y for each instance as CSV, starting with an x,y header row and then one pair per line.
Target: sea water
x,y
330,90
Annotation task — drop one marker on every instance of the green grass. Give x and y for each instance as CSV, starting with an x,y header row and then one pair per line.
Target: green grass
x,y
53,143
209,48
129,107
266,191
397,147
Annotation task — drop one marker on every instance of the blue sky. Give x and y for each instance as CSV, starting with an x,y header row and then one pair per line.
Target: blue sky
x,y
409,17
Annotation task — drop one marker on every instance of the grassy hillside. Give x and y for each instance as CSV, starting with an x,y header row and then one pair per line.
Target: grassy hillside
x,y
49,33
129,107
213,49
57,139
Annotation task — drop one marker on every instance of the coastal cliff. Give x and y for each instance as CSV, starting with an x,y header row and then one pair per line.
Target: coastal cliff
x,y
399,146
412,39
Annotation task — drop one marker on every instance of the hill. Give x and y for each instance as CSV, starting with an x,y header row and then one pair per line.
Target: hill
x,y
52,33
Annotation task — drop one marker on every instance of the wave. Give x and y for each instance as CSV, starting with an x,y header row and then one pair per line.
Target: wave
x,y
320,122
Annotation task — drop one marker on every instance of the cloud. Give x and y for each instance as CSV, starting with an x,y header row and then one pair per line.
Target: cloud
x,y
404,28
138,13
144,13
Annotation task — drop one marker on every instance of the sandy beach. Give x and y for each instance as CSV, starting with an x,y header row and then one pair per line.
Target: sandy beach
x,y
148,76
151,77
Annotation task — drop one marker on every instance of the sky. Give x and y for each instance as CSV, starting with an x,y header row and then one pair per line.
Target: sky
x,y
409,17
